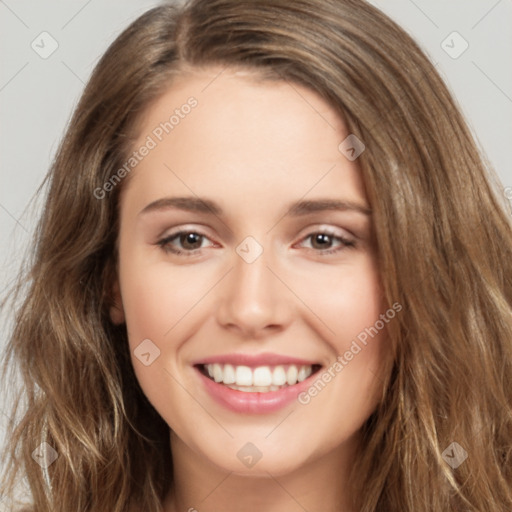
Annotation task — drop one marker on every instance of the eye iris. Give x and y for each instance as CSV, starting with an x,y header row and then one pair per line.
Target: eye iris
x,y
188,239
323,239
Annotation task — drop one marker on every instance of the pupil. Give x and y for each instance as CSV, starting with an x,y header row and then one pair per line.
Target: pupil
x,y
322,238
190,238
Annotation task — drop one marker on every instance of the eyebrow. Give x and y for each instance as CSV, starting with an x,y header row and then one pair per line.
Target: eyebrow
x,y
296,209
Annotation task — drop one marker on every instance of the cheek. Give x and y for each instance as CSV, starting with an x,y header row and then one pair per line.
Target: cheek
x,y
159,302
346,392
361,334
155,300
359,305
346,299
156,297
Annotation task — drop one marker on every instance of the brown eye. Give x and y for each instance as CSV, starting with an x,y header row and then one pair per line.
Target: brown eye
x,y
322,242
191,240
183,242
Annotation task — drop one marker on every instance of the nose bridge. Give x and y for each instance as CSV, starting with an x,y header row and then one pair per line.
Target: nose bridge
x,y
251,276
252,281
252,298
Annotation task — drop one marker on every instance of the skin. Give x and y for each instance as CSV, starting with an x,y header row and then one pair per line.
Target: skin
x,y
253,147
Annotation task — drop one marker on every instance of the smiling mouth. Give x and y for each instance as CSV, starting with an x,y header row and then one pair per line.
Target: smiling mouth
x,y
260,379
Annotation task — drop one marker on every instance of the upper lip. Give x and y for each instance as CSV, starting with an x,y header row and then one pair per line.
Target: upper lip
x,y
254,360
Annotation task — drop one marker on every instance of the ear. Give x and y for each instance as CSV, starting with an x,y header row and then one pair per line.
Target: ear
x,y
116,309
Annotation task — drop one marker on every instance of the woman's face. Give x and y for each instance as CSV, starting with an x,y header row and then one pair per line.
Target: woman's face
x,y
273,275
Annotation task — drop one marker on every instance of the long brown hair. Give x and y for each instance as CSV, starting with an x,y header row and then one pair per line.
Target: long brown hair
x,y
444,247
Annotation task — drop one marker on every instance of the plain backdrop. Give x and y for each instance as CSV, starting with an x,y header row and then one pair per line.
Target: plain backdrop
x,y
470,42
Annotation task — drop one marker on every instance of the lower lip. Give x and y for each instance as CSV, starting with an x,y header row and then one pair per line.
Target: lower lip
x,y
253,403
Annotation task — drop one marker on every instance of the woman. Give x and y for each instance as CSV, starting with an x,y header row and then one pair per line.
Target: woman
x,y
258,368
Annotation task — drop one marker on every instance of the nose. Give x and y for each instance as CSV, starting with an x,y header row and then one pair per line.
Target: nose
x,y
253,300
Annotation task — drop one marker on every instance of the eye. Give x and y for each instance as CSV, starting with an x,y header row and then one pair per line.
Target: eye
x,y
190,241
322,242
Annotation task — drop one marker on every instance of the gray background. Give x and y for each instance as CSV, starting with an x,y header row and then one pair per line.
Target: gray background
x,y
37,95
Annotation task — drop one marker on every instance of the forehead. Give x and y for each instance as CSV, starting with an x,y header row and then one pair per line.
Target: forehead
x,y
249,136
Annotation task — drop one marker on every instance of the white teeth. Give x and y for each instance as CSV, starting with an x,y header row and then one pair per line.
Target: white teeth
x,y
279,376
254,389
291,375
262,376
304,373
217,373
243,376
229,374
260,379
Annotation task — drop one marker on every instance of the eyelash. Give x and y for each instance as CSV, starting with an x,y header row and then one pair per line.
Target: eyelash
x,y
164,243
